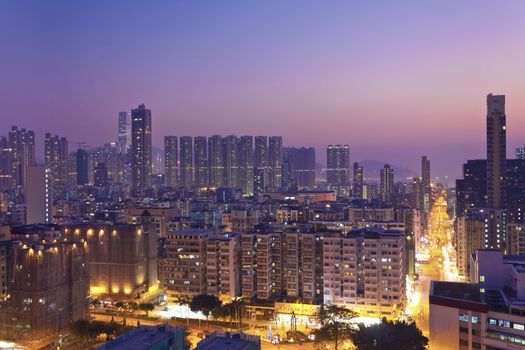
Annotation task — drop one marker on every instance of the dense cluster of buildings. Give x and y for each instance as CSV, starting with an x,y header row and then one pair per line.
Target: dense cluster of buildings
x,y
490,206
228,216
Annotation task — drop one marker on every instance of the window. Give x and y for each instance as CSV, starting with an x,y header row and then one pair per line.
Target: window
x,y
463,317
482,278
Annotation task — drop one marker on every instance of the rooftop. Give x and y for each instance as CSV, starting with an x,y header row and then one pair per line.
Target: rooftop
x,y
456,290
142,338
228,341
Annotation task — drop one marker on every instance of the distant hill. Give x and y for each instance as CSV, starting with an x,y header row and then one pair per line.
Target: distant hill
x,y
371,169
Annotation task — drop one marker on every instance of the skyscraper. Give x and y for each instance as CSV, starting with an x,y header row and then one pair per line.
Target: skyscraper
x,y
215,163
338,169
387,183
520,152
426,196
56,159
186,161
141,148
171,161
122,132
230,157
22,144
200,161
301,163
6,160
496,151
246,164
260,164
82,167
275,162
358,181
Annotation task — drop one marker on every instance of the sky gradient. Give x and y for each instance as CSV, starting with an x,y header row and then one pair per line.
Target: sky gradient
x,y
394,80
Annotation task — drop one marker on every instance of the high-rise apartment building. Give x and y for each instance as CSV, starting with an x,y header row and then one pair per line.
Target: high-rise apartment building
x,y
141,149
303,266
386,186
56,159
496,151
6,161
275,162
184,268
230,157
200,161
358,181
122,142
426,197
520,152
38,196
302,166
171,161
82,161
260,164
246,171
365,271
215,162
186,161
22,144
338,169
222,266
469,238
261,264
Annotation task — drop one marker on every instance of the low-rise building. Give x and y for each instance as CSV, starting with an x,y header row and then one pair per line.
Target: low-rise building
x,y
488,314
161,337
225,340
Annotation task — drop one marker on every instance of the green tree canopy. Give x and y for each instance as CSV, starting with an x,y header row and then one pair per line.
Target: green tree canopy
x,y
204,303
389,335
335,324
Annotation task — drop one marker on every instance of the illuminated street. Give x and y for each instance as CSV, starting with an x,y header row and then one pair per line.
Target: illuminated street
x,y
436,261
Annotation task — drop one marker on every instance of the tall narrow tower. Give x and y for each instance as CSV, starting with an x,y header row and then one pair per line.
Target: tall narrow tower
x,y
496,151
141,149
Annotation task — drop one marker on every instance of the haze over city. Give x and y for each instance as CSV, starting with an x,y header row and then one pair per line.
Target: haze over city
x,y
394,80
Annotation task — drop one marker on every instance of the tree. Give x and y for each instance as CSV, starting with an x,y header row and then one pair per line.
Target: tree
x,y
147,307
133,306
335,324
204,303
389,335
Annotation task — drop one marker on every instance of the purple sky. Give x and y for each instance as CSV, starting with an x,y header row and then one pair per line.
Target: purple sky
x,y
395,80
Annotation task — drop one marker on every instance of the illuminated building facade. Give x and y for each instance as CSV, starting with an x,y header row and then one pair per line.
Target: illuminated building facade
x,y
48,286
141,149
185,263
365,271
122,259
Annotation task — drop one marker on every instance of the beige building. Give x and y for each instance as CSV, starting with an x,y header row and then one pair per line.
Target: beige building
x,y
158,217
185,263
222,266
122,259
261,264
515,239
302,266
48,286
365,270
469,238
356,215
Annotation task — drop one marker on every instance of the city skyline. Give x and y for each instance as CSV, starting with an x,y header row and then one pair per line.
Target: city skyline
x,y
204,69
